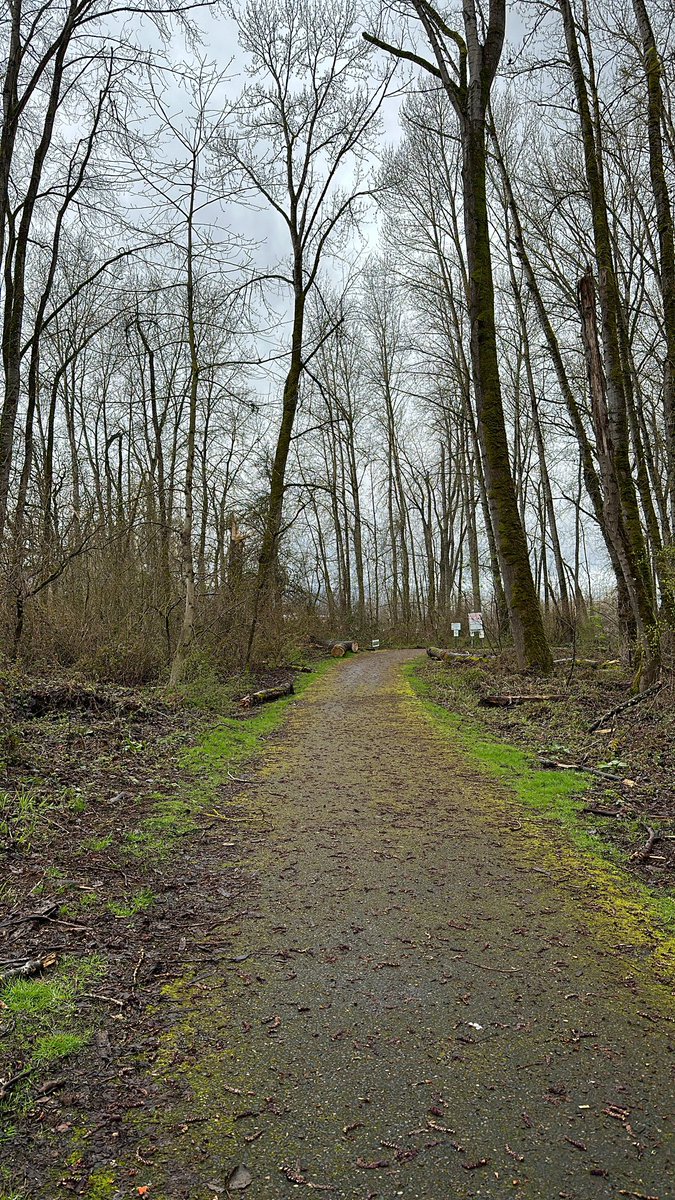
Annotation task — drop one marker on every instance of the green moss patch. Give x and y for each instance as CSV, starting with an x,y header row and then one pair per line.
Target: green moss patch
x,y
557,797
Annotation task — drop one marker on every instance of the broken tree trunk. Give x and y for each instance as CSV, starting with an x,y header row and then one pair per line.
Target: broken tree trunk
x,y
266,694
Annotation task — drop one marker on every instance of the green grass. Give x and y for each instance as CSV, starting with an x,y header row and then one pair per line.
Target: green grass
x,y
22,814
554,795
46,1027
134,904
229,742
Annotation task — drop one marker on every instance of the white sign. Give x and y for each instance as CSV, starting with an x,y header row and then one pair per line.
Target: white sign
x,y
456,628
476,624
375,644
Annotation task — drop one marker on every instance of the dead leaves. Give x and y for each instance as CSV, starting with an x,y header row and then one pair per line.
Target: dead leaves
x,y
295,1175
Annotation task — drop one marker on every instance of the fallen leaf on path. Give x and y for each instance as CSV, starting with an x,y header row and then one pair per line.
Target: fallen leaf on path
x,y
372,1166
239,1179
347,1129
619,1114
294,1175
577,1145
475,1166
518,1157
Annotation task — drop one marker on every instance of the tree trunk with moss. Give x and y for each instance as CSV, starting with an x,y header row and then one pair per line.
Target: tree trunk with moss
x,y
612,433
526,622
664,220
466,67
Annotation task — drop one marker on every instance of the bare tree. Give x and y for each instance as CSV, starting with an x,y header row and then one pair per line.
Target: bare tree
x,y
307,120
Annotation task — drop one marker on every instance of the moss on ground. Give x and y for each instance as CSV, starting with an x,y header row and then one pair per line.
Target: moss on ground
x,y
557,796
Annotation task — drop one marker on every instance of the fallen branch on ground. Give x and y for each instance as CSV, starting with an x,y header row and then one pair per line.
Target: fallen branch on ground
x,y
42,914
32,966
552,764
644,852
614,712
509,701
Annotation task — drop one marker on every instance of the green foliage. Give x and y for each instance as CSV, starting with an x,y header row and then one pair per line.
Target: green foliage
x,y
156,836
53,1046
209,691
96,844
133,905
22,814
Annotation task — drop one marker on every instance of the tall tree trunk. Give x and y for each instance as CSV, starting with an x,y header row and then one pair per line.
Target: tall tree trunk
x,y
666,234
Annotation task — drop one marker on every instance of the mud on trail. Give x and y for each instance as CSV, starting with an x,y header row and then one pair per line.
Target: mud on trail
x,y
400,992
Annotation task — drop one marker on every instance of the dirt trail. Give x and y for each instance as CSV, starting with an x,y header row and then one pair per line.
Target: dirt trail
x,y
417,993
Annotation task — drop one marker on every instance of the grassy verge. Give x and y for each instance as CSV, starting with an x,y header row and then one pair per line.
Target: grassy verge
x,y
557,796
39,1021
223,747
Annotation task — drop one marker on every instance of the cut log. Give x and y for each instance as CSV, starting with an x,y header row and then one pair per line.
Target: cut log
x,y
509,701
347,646
266,694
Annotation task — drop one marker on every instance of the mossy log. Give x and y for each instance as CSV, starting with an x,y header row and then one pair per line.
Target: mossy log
x,y
265,695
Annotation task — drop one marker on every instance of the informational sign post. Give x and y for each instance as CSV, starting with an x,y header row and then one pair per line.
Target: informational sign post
x,y
456,628
476,627
375,644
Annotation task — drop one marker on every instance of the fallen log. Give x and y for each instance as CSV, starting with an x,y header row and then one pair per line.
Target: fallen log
x,y
436,653
265,695
338,648
453,656
509,701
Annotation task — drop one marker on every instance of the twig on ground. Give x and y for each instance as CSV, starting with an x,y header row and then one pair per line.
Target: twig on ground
x,y
643,854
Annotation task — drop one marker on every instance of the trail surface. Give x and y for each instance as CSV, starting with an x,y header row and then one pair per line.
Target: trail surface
x,y
424,1011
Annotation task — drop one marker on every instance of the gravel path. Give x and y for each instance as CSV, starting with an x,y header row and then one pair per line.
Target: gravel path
x,y
425,1011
